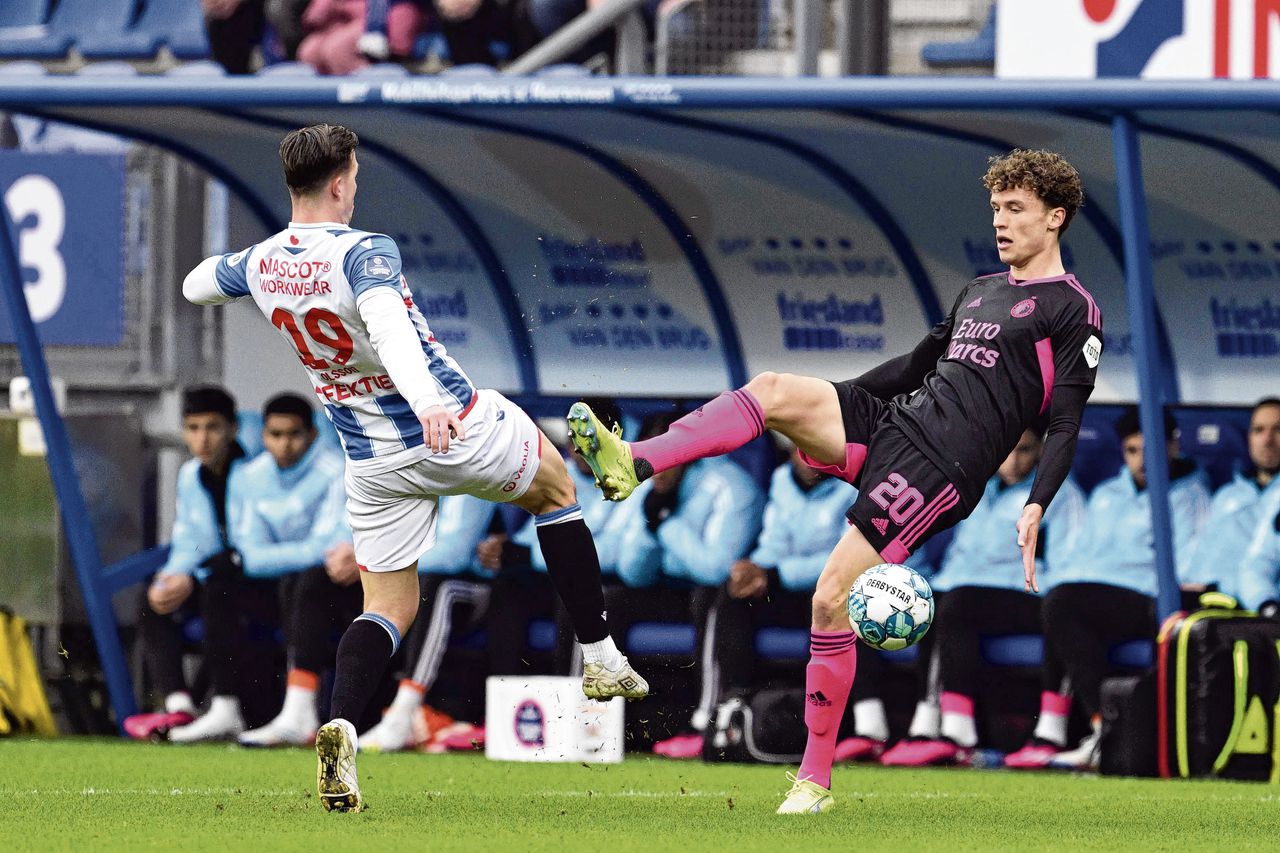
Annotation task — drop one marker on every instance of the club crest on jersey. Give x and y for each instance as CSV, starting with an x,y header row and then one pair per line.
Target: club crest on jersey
x,y
1023,308
378,267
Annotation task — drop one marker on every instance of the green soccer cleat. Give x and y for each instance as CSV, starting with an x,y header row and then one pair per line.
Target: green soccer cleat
x,y
336,777
601,683
806,797
608,456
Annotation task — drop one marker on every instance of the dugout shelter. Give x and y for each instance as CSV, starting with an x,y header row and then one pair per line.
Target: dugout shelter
x,y
670,237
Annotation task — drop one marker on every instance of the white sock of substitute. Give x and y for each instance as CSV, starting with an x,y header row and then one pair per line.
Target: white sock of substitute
x,y
408,697
1054,711
869,720
957,719
603,652
178,702
224,708
926,722
300,696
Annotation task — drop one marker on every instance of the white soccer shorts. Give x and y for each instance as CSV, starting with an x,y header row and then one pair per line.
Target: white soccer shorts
x,y
393,514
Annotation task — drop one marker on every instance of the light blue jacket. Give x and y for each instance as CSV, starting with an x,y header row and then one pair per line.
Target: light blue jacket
x,y
985,549
287,518
801,528
195,536
1218,550
1118,547
461,522
715,521
1259,577
596,512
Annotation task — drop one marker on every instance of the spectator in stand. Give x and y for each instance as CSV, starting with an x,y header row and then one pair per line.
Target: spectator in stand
x,y
202,576
292,526
981,591
1258,583
448,576
1103,592
235,27
803,520
1218,552
333,30
679,536
392,27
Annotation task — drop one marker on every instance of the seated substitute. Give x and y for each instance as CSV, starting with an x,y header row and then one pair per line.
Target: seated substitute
x,y
292,526
676,544
1218,551
1258,583
981,592
202,577
1103,592
803,519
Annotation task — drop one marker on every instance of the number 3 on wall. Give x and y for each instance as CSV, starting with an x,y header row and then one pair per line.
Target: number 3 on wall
x,y
36,195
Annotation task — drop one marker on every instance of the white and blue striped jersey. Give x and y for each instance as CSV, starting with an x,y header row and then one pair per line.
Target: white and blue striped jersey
x,y
310,281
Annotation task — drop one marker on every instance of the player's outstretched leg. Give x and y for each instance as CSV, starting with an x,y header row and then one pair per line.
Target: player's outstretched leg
x,y
829,675
574,568
804,409
390,605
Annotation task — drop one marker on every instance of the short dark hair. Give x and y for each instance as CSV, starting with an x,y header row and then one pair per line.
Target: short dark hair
x,y
206,399
1130,423
290,404
1045,173
312,155
1265,401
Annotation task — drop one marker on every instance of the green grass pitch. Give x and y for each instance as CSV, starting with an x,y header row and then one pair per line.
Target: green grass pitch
x,y
94,794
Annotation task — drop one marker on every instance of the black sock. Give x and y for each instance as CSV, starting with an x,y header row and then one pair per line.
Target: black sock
x,y
574,568
363,655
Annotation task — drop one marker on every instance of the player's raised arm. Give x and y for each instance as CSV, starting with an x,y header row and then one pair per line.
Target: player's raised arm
x,y
217,280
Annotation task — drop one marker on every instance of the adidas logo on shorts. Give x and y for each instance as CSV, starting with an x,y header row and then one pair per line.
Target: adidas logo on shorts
x,y
881,524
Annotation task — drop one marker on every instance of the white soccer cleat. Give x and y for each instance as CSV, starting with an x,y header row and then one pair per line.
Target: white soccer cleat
x,y
282,731
601,683
805,797
393,733
336,772
223,722
1084,757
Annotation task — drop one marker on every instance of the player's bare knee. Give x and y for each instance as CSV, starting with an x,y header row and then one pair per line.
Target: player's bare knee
x,y
765,388
830,607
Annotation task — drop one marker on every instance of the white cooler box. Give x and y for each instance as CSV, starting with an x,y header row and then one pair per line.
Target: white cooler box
x,y
546,718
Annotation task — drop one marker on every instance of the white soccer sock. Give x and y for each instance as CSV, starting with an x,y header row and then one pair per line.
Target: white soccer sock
x,y
926,722
1052,727
408,698
603,652
299,703
869,720
225,707
960,728
178,702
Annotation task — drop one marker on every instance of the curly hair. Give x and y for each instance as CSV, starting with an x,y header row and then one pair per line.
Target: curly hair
x,y
1048,175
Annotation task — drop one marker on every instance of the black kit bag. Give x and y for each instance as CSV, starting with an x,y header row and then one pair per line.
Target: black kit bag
x,y
767,727
1129,726
1218,694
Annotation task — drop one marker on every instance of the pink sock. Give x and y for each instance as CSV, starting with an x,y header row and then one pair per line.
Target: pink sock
x,y
833,658
724,424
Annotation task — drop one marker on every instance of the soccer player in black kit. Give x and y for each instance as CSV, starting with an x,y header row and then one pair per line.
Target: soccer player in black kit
x,y
919,435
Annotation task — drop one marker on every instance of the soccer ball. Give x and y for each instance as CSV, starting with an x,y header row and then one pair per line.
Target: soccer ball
x,y
890,606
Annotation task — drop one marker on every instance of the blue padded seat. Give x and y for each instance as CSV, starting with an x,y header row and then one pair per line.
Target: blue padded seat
x,y
179,24
1215,439
1135,654
102,30
1098,455
1013,650
287,69
71,20
23,14
661,638
199,68
541,634
778,643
